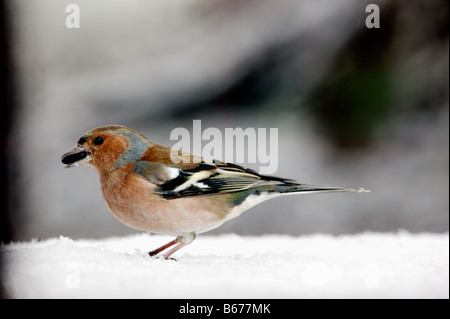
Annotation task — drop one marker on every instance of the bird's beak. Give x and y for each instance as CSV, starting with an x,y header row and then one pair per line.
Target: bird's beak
x,y
75,157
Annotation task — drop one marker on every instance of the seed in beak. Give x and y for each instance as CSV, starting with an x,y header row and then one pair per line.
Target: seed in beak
x,y
72,158
75,157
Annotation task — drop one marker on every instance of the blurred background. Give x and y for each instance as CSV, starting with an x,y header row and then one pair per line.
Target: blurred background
x,y
353,106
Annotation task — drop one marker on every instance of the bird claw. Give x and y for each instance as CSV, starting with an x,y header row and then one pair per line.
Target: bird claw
x,y
156,256
170,258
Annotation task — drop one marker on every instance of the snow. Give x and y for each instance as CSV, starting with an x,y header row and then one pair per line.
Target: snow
x,y
366,265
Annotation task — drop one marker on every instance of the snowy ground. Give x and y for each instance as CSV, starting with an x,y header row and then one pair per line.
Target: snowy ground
x,y
369,265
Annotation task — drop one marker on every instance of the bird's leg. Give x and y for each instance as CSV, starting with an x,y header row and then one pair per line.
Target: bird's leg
x,y
173,250
182,240
160,249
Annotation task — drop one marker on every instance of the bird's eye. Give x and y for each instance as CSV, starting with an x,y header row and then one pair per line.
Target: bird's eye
x,y
98,140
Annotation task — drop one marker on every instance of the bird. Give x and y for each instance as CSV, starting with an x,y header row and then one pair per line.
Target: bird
x,y
154,188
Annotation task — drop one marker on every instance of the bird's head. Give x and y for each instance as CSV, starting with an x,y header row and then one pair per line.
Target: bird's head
x,y
107,148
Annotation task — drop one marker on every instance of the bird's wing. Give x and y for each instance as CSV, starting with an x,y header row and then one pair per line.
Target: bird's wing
x,y
175,180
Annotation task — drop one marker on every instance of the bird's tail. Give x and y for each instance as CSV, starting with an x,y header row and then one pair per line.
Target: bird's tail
x,y
306,188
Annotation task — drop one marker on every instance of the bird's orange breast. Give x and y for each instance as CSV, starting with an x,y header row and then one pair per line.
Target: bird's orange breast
x,y
134,202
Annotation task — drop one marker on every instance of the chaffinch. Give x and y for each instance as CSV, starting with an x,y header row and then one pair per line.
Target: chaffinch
x,y
146,189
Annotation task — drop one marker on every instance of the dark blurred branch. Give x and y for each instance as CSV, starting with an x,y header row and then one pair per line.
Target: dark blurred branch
x,y
365,85
355,94
7,96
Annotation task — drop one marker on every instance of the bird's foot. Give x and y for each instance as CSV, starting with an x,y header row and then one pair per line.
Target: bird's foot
x,y
156,256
